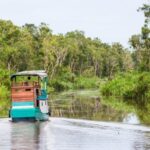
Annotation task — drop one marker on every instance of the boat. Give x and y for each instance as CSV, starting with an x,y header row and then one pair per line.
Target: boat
x,y
29,96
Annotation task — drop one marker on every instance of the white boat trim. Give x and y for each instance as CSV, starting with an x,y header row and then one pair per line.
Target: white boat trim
x,y
22,107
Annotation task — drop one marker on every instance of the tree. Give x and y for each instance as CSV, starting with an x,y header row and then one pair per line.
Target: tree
x,y
55,50
141,43
9,35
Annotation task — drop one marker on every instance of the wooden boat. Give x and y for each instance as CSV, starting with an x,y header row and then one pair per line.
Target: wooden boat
x,y
29,96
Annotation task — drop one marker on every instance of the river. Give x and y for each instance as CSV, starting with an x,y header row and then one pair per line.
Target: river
x,y
120,132
73,134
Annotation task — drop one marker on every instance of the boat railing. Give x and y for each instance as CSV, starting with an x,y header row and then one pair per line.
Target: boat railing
x,y
23,91
19,84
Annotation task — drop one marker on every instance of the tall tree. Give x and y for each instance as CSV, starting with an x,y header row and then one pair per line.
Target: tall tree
x,y
141,42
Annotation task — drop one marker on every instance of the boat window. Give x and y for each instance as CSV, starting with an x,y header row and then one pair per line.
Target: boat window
x,y
37,92
37,103
28,89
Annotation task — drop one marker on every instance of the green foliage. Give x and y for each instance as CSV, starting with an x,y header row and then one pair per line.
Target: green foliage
x,y
4,92
86,82
120,84
141,43
5,77
67,80
118,104
141,91
4,100
35,47
63,81
132,87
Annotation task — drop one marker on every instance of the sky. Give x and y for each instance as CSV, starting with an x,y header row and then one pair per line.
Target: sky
x,y
109,20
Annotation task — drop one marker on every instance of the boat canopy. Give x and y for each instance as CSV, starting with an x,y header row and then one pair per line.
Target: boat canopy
x,y
41,73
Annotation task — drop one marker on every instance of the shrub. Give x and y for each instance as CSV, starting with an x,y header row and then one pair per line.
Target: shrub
x,y
141,91
132,87
119,85
63,81
4,101
86,82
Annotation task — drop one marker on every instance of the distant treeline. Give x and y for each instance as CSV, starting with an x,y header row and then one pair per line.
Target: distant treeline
x,y
72,55
36,47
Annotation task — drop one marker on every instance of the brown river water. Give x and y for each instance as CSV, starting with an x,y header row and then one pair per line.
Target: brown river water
x,y
118,131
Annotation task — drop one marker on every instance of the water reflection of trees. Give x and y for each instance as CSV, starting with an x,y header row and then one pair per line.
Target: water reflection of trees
x,y
88,105
144,116
85,108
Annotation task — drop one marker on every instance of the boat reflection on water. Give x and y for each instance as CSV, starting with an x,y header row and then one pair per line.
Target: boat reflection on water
x,y
24,135
28,135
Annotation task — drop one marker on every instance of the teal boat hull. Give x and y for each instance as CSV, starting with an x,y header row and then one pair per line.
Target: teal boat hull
x,y
26,111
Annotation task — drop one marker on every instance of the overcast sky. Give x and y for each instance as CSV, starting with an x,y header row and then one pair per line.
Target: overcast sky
x,y
109,20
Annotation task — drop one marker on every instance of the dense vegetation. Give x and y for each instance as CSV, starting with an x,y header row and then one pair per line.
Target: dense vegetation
x,y
75,61
71,60
135,85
